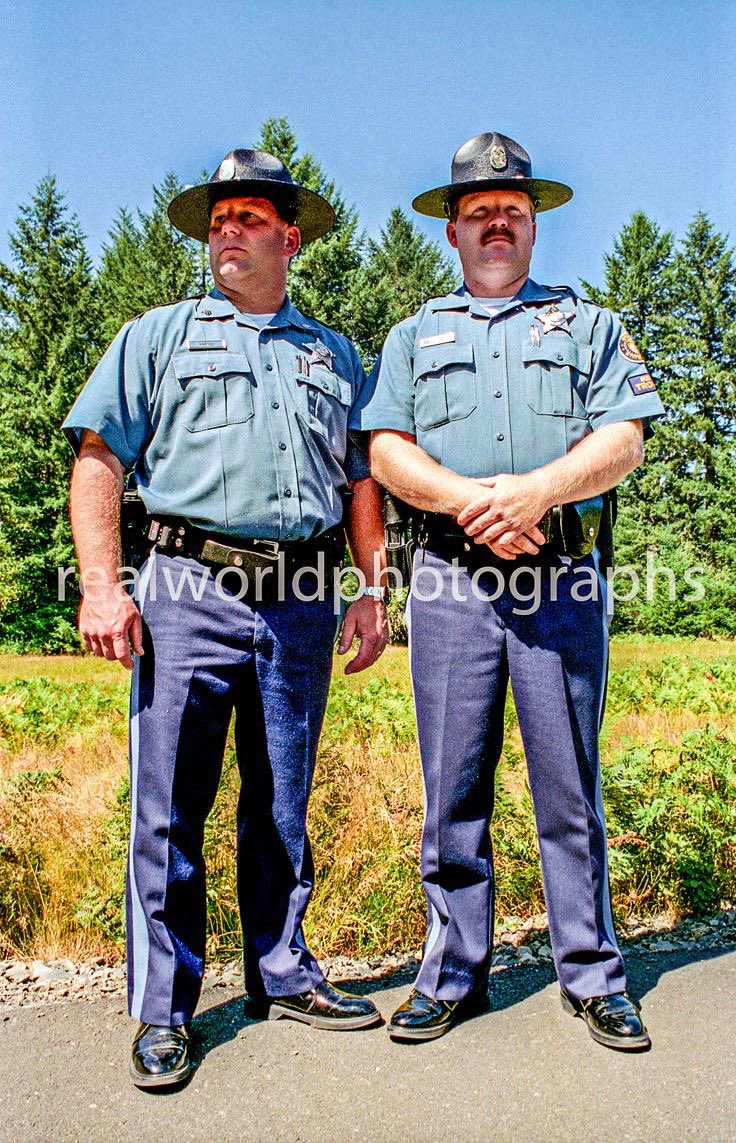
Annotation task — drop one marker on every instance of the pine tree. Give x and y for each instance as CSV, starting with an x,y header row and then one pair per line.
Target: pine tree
x,y
399,273
679,303
698,361
48,343
637,283
148,263
322,274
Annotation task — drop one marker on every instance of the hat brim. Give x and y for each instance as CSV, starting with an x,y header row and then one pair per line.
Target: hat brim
x,y
546,194
190,211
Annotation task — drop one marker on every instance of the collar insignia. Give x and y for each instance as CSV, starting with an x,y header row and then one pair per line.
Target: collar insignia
x,y
552,318
321,355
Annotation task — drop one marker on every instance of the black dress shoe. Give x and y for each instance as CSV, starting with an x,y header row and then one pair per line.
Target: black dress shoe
x,y
614,1020
323,1007
424,1018
160,1055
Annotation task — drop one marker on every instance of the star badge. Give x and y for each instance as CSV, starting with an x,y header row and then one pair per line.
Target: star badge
x,y
552,318
321,355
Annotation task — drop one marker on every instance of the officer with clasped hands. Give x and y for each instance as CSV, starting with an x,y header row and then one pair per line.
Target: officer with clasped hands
x,y
501,412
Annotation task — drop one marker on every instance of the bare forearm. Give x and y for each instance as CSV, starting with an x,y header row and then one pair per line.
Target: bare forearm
x,y
597,464
109,622
409,473
94,506
365,530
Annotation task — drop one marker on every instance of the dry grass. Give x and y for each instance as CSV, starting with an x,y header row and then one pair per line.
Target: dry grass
x,y
365,816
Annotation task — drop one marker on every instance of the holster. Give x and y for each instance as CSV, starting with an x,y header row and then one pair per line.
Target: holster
x,y
574,529
398,526
133,525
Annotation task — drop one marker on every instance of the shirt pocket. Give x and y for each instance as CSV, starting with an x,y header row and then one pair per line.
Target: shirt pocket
x,y
215,389
549,374
325,399
444,384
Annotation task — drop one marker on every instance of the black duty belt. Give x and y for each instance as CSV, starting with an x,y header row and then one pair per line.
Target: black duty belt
x,y
569,530
175,536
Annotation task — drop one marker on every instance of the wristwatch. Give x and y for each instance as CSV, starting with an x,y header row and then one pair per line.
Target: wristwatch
x,y
375,592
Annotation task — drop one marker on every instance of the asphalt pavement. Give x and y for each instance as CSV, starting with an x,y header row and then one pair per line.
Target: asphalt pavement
x,y
523,1072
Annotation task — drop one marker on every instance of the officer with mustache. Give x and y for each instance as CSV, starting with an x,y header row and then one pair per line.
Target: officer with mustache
x,y
497,409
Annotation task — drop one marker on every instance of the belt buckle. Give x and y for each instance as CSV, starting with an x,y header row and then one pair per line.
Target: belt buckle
x,y
269,548
246,558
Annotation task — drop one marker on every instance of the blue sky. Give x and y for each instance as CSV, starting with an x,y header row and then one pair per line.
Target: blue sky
x,y
632,103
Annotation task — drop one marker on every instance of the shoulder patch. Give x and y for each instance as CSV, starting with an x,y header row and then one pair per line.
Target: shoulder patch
x,y
628,347
642,384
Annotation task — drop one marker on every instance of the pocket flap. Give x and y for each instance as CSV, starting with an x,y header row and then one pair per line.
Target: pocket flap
x,y
434,358
328,382
560,351
187,365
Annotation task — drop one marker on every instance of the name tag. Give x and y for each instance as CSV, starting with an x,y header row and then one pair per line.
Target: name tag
x,y
437,339
205,346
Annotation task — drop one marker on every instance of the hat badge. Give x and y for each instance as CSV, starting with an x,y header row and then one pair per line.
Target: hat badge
x,y
227,168
499,159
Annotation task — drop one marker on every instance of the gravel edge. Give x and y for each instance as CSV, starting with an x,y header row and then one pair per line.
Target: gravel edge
x,y
29,983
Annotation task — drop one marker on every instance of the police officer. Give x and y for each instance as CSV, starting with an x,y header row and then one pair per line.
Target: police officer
x,y
235,412
493,407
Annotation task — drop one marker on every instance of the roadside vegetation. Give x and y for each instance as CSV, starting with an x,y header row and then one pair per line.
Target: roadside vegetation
x,y
669,767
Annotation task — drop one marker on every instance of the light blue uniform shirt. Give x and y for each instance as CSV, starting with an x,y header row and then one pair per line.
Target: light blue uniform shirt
x,y
237,428
488,394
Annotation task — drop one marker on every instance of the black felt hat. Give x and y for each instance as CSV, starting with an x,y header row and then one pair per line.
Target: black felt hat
x,y
491,162
244,174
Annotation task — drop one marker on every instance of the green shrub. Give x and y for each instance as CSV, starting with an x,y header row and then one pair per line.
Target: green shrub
x,y
678,683
44,711
672,824
378,712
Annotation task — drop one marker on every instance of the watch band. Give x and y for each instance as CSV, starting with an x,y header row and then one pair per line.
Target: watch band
x,y
375,592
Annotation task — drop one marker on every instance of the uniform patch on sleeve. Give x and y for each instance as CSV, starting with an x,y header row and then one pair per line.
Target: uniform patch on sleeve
x,y
644,383
628,347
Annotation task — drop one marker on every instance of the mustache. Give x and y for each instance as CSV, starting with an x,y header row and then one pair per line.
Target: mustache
x,y
497,232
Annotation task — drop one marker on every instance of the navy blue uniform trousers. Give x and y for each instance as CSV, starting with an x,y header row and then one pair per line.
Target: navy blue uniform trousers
x,y
463,653
204,658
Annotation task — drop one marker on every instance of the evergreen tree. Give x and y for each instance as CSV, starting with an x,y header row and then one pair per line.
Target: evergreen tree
x,y
638,281
48,344
322,274
148,263
680,306
401,270
698,363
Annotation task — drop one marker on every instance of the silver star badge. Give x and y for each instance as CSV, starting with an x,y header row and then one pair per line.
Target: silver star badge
x,y
552,318
321,355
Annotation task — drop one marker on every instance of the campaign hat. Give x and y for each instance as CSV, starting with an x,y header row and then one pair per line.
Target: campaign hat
x,y
491,162
252,174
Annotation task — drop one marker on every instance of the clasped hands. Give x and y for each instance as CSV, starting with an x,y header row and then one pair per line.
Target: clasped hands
x,y
504,512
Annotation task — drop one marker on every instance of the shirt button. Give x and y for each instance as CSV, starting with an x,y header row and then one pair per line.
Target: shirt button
x,y
269,367
282,446
497,393
560,357
499,436
287,492
274,404
212,368
435,365
496,353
